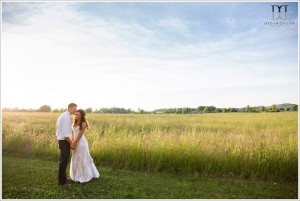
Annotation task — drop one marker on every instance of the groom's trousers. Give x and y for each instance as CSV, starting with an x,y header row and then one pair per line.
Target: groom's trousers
x,y
64,147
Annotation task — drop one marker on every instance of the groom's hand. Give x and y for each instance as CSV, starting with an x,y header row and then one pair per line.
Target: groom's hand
x,y
72,146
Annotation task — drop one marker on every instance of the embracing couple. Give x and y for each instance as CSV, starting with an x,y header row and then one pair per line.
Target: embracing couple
x,y
82,167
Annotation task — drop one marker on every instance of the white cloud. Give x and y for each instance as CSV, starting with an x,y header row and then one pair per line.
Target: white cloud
x,y
58,55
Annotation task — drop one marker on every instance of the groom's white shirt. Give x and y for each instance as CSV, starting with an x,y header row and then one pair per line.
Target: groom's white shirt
x,y
63,126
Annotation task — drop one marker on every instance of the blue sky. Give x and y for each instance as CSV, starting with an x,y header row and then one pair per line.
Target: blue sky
x,y
147,55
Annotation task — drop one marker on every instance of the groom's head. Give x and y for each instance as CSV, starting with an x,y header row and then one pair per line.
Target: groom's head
x,y
72,107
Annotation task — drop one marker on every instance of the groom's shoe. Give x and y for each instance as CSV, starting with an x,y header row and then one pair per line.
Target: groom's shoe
x,y
70,180
65,185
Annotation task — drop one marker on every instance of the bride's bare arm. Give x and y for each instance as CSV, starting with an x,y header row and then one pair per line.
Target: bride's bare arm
x,y
83,127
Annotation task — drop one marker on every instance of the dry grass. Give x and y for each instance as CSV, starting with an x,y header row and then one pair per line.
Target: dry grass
x,y
263,146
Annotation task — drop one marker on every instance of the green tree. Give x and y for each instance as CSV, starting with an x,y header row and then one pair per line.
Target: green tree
x,y
233,110
295,108
89,110
206,110
213,109
45,108
273,108
200,109
141,111
248,108
218,110
184,110
262,109
55,110
170,110
178,111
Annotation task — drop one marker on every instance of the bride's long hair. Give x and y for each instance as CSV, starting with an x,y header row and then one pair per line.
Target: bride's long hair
x,y
83,119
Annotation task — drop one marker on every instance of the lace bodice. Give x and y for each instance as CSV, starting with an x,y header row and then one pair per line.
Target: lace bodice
x,y
76,131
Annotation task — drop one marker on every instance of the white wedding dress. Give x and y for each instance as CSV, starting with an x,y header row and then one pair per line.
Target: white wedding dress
x,y
82,167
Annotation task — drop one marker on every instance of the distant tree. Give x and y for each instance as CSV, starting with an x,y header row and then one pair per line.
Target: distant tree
x,y
89,110
273,108
295,107
178,111
193,110
262,109
218,110
224,110
200,109
248,108
206,109
169,111
61,110
184,110
44,108
55,110
115,110
233,110
104,110
141,111
212,109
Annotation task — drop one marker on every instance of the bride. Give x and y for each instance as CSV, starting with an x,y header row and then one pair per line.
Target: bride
x,y
82,167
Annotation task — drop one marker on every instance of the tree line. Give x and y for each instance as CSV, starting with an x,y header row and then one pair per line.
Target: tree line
x,y
213,109
184,110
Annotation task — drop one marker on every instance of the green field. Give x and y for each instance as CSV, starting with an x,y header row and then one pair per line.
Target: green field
x,y
29,178
253,147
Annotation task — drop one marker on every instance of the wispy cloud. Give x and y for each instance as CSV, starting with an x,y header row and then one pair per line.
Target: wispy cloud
x,y
121,60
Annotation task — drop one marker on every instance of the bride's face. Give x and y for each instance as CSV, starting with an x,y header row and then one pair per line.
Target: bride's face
x,y
77,115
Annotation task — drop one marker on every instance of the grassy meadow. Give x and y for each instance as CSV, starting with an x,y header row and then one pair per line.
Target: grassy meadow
x,y
32,178
252,146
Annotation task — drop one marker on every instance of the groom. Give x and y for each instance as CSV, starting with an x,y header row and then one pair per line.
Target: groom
x,y
63,134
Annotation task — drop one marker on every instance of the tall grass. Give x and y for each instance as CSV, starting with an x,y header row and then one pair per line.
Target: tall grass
x,y
263,146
